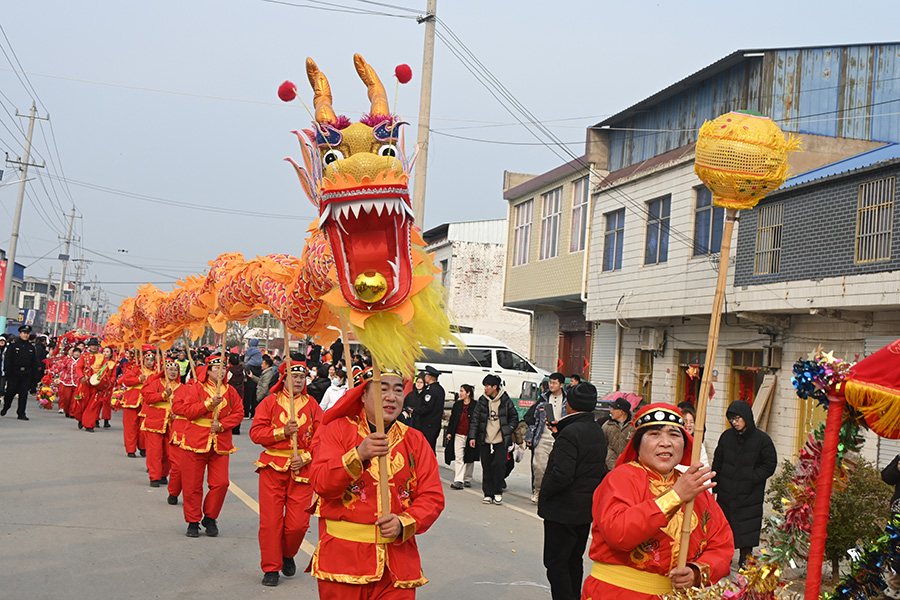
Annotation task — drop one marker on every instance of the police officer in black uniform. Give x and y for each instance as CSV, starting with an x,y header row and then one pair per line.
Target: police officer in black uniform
x,y
427,417
21,365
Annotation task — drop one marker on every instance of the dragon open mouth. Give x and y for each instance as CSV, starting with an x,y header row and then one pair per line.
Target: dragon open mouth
x,y
369,233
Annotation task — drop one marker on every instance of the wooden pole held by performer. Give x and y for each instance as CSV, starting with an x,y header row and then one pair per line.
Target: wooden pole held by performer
x,y
712,345
187,350
290,383
383,490
223,369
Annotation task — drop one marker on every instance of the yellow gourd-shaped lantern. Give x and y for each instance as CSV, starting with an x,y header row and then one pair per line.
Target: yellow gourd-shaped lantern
x,y
741,156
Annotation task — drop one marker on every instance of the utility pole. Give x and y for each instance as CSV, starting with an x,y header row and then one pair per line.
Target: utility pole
x,y
14,237
424,114
62,279
49,283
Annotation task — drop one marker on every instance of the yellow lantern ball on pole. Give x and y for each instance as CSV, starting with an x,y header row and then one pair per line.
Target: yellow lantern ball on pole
x,y
741,156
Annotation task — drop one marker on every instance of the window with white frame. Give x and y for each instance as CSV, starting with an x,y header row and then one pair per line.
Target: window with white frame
x,y
579,215
29,286
657,244
709,222
613,238
550,212
768,239
521,232
874,220
27,301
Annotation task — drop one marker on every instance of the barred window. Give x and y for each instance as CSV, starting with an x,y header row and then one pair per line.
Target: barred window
x,y
768,239
522,232
874,220
550,210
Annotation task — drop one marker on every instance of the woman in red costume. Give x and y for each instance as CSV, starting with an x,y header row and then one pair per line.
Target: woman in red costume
x,y
639,511
100,379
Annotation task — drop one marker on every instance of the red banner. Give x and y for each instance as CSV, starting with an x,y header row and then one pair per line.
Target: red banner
x,y
2,276
80,322
51,311
88,324
63,313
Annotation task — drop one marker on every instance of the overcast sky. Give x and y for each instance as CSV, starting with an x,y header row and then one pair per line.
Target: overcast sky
x,y
176,100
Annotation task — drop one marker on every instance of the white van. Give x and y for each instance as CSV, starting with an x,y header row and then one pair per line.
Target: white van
x,y
483,355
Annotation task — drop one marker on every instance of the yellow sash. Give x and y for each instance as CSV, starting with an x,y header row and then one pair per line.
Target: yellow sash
x,y
632,579
163,404
202,422
364,533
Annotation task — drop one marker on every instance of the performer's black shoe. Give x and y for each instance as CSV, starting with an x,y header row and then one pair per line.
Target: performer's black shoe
x,y
212,529
3,411
173,500
132,455
270,579
164,480
288,566
143,453
106,424
154,483
193,530
97,423
89,429
80,426
22,418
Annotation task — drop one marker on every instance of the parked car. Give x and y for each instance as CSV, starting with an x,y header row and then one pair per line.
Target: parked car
x,y
483,355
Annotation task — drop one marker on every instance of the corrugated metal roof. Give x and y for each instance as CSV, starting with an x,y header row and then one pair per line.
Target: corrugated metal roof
x,y
719,66
846,165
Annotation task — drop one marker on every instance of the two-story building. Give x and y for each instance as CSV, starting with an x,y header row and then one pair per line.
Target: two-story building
x,y
548,238
472,258
656,235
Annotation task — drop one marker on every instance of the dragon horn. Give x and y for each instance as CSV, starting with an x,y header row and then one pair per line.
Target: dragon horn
x,y
321,88
377,95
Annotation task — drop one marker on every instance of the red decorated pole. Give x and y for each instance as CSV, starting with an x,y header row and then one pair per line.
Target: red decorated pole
x,y
823,497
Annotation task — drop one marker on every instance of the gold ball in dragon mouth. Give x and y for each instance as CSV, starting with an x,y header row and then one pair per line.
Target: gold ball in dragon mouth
x,y
370,287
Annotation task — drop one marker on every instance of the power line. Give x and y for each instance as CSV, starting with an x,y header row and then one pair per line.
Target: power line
x,y
179,204
501,142
339,8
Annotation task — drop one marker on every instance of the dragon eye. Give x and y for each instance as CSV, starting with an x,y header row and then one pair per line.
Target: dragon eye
x,y
387,150
331,156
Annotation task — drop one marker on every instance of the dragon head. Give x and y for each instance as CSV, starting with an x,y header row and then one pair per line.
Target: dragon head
x,y
364,204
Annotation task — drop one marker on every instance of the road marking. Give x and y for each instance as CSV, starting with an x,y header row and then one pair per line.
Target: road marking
x,y
254,506
509,506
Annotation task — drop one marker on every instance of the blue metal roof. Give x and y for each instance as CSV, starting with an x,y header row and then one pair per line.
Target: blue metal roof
x,y
851,163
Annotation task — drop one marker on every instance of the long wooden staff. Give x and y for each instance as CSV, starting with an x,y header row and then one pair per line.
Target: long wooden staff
x,y
290,383
383,489
712,345
224,367
187,350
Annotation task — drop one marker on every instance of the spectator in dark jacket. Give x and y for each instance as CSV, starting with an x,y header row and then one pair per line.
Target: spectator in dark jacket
x,y
744,459
319,382
236,380
413,400
493,422
891,476
576,466
427,418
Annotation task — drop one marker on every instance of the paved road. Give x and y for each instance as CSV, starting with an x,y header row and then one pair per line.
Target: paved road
x,y
79,521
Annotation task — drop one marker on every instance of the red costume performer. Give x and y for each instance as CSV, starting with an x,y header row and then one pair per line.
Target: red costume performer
x,y
84,367
361,554
64,369
133,378
213,410
156,413
284,490
176,438
98,375
638,516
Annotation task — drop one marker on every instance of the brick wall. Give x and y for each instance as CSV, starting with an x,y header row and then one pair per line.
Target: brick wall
x,y
475,294
818,233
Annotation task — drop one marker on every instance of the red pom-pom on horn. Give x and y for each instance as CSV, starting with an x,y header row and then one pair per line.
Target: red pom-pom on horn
x,y
403,73
287,91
